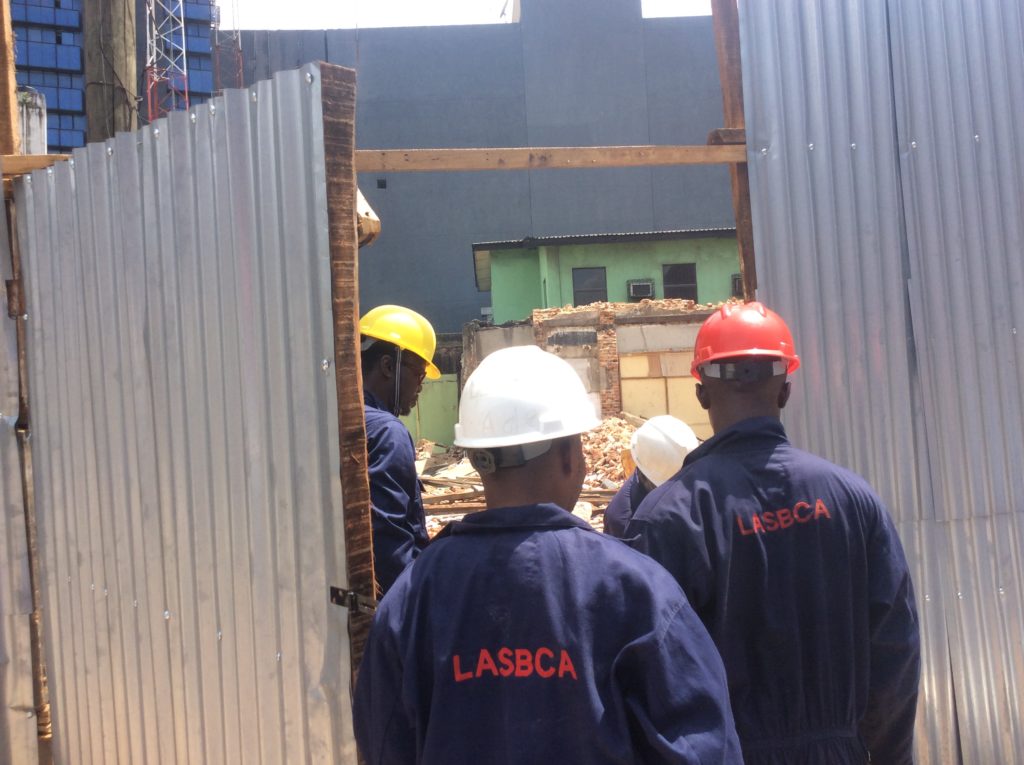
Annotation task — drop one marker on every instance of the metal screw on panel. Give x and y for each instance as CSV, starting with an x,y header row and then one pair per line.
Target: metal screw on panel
x,y
167,615
24,317
960,595
135,604
1013,330
279,656
69,580
977,138
853,147
219,634
927,598
213,108
810,147
325,365
193,118
49,171
104,592
110,151
309,78
28,179
156,132
764,151
254,96
28,714
71,162
1002,591
92,587
913,144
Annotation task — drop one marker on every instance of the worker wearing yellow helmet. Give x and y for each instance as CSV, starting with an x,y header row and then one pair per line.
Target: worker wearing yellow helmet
x,y
397,352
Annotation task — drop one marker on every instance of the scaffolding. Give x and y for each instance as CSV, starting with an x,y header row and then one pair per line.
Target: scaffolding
x,y
166,62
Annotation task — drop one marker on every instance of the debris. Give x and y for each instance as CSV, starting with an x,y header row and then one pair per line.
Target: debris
x,y
452,487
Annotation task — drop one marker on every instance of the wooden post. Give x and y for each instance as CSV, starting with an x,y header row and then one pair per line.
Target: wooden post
x,y
726,22
111,103
10,132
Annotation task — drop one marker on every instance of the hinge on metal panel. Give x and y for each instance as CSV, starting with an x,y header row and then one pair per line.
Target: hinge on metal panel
x,y
353,601
15,307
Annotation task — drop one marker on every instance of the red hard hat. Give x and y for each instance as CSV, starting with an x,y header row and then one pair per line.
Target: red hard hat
x,y
750,329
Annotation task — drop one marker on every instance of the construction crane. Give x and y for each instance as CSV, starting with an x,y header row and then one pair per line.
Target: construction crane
x,y
166,62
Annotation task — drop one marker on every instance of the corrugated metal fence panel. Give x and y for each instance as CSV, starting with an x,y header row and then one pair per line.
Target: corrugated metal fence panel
x,y
959,91
186,437
826,202
887,189
17,721
959,84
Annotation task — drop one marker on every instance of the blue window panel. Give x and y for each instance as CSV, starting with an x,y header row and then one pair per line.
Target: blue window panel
x,y
75,5
50,94
48,35
197,44
198,11
64,81
18,13
72,138
52,137
70,99
36,15
31,34
63,120
76,81
79,122
62,17
42,55
69,57
201,82
21,78
20,55
50,79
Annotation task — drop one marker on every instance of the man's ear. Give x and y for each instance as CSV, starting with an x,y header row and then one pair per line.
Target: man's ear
x,y
702,396
783,399
386,365
566,451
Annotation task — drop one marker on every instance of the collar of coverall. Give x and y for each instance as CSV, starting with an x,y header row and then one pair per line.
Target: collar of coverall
x,y
747,435
539,517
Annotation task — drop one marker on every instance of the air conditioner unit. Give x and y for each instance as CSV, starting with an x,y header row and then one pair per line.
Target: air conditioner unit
x,y
637,289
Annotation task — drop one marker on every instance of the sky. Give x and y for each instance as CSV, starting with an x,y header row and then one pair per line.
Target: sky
x,y
346,14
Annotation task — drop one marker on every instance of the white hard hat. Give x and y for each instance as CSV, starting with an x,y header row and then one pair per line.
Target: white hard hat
x,y
522,395
660,445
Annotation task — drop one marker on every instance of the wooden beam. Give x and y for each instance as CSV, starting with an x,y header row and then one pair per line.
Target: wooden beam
x,y
726,23
108,31
10,130
19,164
541,158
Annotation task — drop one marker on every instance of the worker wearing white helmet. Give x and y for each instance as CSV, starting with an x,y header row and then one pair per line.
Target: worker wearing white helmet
x,y
658,447
521,635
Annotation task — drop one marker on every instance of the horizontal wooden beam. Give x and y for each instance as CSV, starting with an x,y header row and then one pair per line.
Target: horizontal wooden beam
x,y
18,164
541,158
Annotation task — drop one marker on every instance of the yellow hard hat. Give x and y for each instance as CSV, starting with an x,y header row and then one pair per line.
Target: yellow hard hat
x,y
406,329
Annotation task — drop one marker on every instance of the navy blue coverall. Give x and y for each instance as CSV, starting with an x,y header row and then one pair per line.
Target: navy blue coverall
x,y
625,502
521,635
399,526
796,569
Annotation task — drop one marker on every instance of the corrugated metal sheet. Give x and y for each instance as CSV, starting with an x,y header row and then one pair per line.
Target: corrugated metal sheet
x,y
186,437
888,196
17,720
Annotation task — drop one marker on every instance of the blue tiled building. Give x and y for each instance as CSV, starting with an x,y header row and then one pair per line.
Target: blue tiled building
x,y
49,59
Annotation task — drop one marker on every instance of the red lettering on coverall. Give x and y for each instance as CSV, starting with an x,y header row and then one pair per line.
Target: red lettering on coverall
x,y
783,518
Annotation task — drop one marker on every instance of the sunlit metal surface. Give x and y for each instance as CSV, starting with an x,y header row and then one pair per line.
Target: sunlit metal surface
x,y
887,186
186,437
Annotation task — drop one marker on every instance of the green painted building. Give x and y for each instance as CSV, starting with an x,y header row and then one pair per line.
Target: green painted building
x,y
701,265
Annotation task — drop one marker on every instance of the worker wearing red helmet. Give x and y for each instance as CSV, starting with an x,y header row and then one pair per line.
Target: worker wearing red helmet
x,y
792,563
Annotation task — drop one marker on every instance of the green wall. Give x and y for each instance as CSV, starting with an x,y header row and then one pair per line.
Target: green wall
x,y
524,279
436,412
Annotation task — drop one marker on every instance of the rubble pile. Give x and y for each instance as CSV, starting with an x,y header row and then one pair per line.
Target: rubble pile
x,y
452,488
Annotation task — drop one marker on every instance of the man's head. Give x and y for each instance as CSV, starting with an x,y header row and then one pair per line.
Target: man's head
x,y
396,354
742,358
520,418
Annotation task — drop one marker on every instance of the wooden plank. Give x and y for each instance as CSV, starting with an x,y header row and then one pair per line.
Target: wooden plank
x,y
19,164
338,93
108,30
543,158
726,23
10,131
